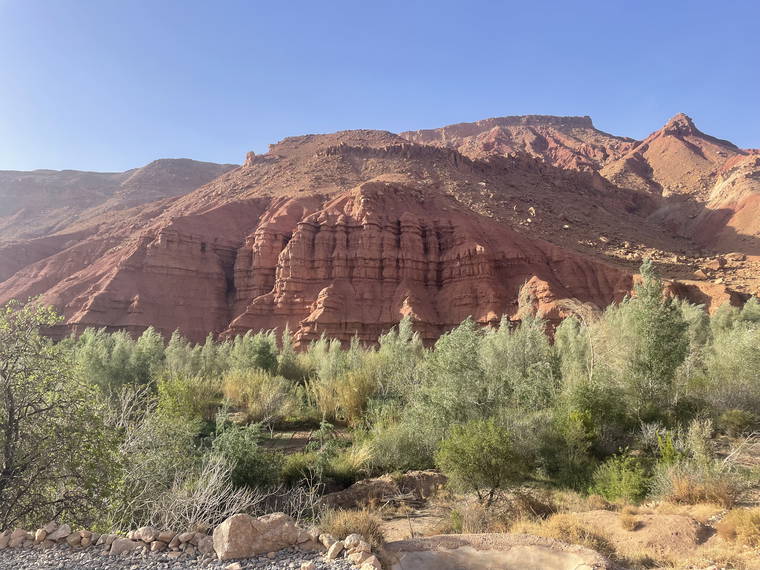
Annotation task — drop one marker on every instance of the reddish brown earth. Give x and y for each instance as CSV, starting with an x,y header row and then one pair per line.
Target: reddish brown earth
x,y
343,234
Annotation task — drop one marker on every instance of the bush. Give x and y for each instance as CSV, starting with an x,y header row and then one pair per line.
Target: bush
x,y
480,456
192,397
251,465
298,467
737,422
262,397
621,477
742,526
340,524
692,482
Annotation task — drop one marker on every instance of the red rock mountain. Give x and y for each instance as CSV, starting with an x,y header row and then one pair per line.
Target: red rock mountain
x,y
342,234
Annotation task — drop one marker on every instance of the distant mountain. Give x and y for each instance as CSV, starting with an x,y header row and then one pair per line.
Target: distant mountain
x,y
41,202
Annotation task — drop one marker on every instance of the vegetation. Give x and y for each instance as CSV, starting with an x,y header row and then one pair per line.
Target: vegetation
x,y
624,404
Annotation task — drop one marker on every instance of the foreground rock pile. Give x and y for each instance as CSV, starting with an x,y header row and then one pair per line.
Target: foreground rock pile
x,y
272,541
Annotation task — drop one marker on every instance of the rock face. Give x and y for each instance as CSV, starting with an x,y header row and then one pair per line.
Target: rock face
x,y
344,234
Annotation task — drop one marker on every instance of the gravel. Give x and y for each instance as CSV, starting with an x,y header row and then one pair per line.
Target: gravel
x,y
62,557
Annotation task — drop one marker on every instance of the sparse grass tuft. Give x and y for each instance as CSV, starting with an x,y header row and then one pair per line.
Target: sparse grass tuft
x,y
340,524
741,526
567,527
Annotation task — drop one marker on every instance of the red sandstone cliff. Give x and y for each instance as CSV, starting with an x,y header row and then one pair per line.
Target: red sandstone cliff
x,y
343,234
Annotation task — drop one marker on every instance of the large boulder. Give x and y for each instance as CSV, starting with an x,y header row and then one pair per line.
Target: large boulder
x,y
242,536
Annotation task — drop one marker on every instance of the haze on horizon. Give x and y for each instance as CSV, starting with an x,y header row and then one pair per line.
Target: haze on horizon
x,y
109,86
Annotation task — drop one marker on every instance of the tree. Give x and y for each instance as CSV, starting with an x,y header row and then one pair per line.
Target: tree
x,y
55,455
480,456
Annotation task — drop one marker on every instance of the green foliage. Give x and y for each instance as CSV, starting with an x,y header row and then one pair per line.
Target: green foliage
x,y
479,456
621,477
240,445
737,422
57,459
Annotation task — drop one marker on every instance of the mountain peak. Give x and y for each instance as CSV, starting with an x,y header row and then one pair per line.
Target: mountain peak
x,y
680,124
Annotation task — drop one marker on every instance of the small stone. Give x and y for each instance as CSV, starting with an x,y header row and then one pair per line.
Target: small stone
x,y
233,566
47,544
334,550
186,536
123,545
206,545
358,557
371,563
17,538
352,540
174,543
60,533
95,538
175,555
146,533
158,546
196,538
74,539
166,536
271,555
308,566
50,527
40,535
86,541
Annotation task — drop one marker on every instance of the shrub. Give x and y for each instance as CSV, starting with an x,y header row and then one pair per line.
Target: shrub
x,y
192,397
480,456
692,482
742,526
737,422
251,465
298,467
621,477
629,521
262,397
340,524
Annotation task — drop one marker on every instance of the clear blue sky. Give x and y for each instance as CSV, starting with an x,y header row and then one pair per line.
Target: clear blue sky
x,y
111,85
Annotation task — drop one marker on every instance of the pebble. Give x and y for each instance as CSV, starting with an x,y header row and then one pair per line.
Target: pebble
x,y
62,557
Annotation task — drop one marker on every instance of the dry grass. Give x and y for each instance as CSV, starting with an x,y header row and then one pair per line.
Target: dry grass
x,y
691,484
566,527
741,526
629,521
343,399
340,524
572,502
261,396
701,512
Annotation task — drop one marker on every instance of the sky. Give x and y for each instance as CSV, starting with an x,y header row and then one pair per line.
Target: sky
x,y
110,85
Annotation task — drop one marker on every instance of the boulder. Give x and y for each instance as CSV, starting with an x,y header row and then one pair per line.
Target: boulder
x,y
146,533
18,537
40,535
166,536
50,527
74,539
122,545
5,538
158,546
242,536
186,536
60,533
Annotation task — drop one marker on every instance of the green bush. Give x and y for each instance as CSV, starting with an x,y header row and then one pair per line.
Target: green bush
x,y
737,422
298,467
252,466
479,456
621,477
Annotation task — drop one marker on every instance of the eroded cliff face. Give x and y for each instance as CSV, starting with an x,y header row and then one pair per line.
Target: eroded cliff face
x,y
384,250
